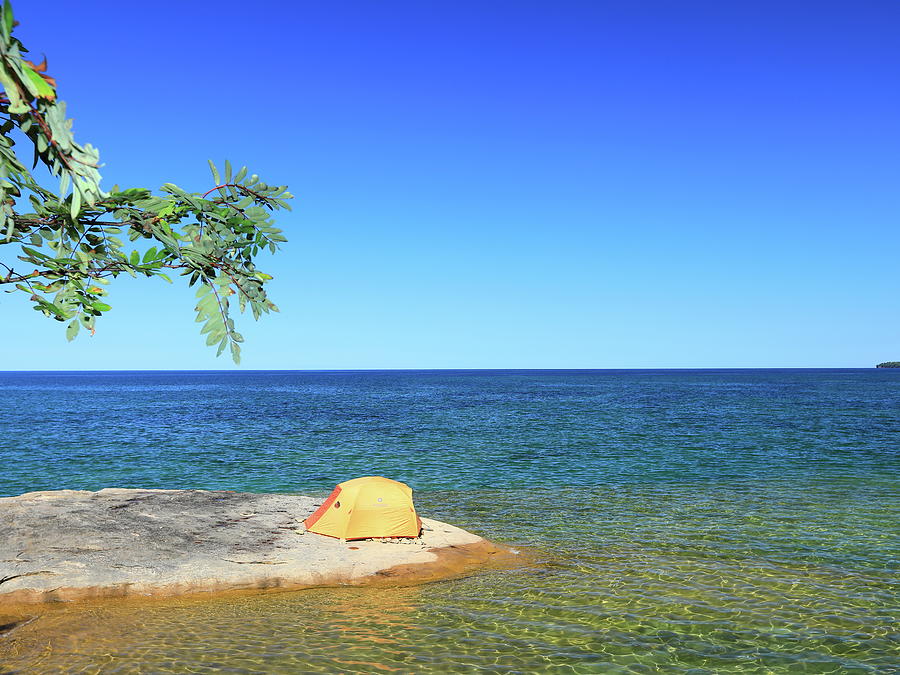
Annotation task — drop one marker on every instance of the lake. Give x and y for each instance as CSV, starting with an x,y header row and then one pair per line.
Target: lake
x,y
696,521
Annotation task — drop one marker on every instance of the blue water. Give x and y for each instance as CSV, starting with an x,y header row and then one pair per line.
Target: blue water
x,y
690,520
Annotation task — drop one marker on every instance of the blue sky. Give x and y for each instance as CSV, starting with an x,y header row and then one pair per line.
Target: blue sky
x,y
506,184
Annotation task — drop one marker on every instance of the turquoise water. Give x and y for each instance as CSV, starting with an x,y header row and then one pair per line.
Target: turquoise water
x,y
683,521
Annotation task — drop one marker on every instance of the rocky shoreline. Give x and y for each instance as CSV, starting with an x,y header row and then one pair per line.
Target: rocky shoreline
x,y
72,545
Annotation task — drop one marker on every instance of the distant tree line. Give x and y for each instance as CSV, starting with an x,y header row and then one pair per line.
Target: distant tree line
x,y
889,364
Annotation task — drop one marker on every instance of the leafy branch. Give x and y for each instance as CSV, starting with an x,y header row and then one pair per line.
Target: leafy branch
x,y
71,243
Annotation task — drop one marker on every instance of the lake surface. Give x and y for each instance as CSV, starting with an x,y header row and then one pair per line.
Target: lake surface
x,y
700,521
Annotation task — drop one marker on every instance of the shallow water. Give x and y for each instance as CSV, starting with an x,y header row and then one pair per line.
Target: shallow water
x,y
685,521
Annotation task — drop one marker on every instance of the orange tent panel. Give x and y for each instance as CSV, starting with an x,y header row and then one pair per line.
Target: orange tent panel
x,y
366,507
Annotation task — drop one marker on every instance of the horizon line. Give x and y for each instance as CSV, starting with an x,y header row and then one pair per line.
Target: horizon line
x,y
420,370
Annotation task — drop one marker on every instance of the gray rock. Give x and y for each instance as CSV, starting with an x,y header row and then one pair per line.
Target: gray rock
x,y
68,545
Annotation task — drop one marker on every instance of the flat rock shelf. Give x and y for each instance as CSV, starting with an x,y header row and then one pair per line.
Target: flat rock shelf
x,y
73,545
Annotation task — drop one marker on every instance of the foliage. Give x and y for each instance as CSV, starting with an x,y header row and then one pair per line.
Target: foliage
x,y
72,242
889,364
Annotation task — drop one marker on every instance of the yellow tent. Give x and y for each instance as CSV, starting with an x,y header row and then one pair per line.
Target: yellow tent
x,y
371,506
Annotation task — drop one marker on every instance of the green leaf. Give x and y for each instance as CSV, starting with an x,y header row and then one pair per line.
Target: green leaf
x,y
75,207
214,337
215,172
50,308
37,255
38,85
16,103
208,304
8,20
101,306
72,330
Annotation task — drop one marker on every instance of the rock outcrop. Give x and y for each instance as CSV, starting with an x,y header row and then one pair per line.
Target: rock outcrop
x,y
70,545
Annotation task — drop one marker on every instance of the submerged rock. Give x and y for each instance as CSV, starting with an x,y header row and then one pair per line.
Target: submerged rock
x,y
70,545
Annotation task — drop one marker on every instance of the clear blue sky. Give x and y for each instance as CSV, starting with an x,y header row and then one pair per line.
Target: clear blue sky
x,y
506,184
